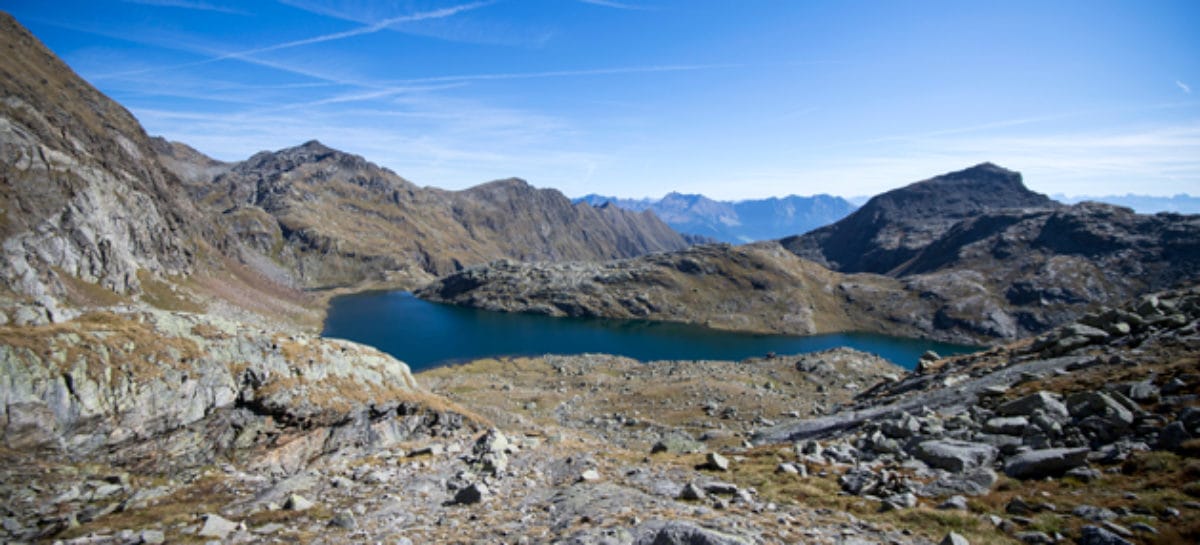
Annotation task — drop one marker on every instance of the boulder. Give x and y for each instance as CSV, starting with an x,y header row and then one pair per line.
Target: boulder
x,y
1025,406
216,526
901,428
955,455
1093,513
953,503
296,502
1036,464
471,494
691,492
344,519
1173,436
716,462
1095,535
1144,392
1085,404
973,482
677,443
954,539
682,533
1006,425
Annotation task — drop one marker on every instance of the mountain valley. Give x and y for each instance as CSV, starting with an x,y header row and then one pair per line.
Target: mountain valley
x,y
161,379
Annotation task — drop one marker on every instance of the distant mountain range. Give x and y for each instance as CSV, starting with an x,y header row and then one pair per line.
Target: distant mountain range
x,y
1143,204
737,222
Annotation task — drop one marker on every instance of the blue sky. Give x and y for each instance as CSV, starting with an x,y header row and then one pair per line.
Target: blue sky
x,y
732,98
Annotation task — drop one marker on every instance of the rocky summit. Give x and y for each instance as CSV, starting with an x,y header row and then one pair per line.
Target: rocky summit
x,y
160,381
892,227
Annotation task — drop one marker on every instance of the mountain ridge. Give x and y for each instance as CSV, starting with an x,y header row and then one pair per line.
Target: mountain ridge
x,y
337,219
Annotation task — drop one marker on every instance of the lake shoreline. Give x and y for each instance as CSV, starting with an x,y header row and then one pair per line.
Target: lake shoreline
x,y
429,334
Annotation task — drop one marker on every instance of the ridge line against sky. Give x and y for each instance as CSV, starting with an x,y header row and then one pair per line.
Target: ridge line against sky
x,y
638,99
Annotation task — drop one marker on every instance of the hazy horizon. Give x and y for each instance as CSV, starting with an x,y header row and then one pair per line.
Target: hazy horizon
x,y
628,97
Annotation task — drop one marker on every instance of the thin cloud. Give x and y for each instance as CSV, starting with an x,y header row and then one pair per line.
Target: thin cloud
x,y
615,5
187,4
368,29
1184,87
247,55
571,73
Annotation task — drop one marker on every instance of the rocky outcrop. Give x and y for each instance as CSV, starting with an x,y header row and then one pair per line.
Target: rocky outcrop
x,y
117,382
760,288
335,218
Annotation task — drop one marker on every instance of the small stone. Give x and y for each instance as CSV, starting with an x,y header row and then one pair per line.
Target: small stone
x,y
590,476
296,502
954,539
1025,406
721,488
471,494
691,492
1116,529
1035,538
1085,474
716,462
1006,425
152,537
907,500
344,519
1143,528
677,443
216,526
787,467
268,529
1018,506
435,449
956,503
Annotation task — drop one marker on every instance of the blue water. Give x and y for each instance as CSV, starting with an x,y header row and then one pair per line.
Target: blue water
x,y
424,335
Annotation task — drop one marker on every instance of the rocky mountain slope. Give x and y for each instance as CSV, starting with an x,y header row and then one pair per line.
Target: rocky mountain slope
x,y
82,195
331,218
738,222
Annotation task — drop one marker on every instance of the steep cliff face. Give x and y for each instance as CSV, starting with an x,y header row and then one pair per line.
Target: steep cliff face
x,y
893,227
82,192
335,218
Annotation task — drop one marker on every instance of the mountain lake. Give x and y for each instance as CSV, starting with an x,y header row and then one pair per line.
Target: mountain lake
x,y
424,335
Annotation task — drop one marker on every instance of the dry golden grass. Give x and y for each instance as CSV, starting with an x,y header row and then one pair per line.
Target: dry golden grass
x,y
165,296
132,346
86,294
